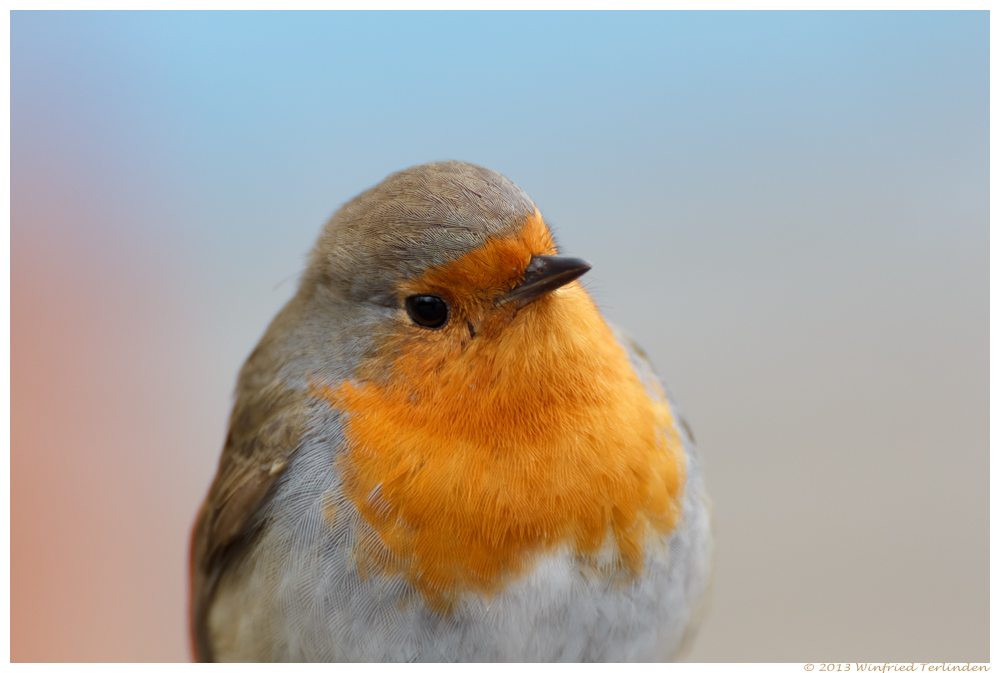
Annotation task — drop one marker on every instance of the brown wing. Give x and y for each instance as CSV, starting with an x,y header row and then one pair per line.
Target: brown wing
x,y
264,429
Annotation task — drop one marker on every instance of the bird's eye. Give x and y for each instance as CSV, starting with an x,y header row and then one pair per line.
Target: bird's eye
x,y
427,310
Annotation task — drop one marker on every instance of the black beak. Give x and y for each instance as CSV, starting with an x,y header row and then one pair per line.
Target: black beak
x,y
544,274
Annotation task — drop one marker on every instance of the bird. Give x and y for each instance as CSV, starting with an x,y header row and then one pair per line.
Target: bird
x,y
440,451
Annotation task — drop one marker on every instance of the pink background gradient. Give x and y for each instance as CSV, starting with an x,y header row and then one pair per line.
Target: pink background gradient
x,y
788,211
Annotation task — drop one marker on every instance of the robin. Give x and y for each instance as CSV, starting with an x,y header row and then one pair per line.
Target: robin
x,y
440,451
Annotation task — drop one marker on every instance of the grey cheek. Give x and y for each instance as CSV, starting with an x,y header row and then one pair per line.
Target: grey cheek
x,y
384,300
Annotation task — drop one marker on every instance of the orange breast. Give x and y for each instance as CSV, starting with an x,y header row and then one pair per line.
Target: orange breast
x,y
469,456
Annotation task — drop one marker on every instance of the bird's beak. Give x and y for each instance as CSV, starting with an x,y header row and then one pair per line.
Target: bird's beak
x,y
543,274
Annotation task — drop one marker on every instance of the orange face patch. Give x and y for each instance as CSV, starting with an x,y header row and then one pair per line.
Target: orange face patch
x,y
469,455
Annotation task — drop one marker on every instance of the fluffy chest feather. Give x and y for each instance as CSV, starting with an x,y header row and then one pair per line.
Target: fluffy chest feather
x,y
306,593
470,461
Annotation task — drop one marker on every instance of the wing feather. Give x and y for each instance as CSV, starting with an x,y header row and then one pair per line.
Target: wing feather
x,y
264,430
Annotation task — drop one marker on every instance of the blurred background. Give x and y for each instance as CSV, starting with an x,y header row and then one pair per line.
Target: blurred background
x,y
790,211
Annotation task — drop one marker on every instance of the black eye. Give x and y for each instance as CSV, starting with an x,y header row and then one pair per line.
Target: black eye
x,y
427,310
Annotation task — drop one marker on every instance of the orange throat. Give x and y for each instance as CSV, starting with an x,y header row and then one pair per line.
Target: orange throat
x,y
472,455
